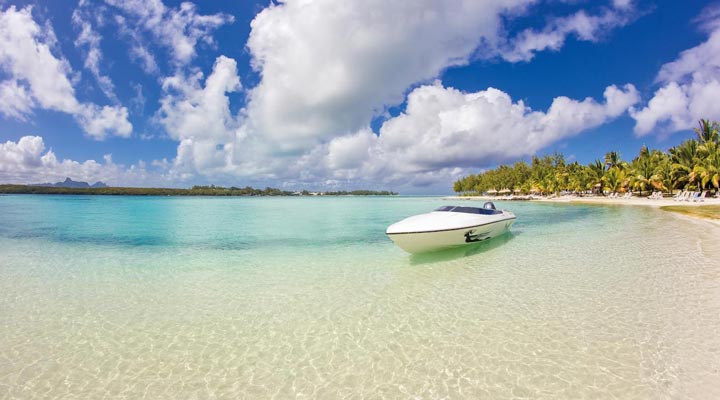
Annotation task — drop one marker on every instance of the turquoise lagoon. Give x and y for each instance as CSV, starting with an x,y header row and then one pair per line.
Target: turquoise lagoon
x,y
168,297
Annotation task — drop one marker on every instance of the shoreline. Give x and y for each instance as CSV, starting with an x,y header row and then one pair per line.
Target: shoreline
x,y
598,200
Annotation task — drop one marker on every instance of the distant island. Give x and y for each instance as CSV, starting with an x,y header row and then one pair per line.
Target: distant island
x,y
69,183
83,188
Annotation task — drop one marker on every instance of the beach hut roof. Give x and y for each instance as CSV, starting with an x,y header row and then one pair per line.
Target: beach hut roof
x,y
504,191
492,191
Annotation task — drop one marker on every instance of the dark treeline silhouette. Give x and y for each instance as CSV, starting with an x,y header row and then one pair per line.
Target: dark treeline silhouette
x,y
211,190
361,193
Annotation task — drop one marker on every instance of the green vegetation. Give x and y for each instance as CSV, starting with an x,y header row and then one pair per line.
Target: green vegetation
x,y
361,193
691,165
711,212
211,190
130,191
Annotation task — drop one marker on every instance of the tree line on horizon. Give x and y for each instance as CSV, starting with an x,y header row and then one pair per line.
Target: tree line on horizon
x,y
210,190
691,165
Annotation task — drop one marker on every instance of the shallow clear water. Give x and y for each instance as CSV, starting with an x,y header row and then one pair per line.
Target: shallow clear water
x,y
132,297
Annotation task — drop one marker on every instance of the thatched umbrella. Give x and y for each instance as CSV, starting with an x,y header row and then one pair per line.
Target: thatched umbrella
x,y
492,191
504,191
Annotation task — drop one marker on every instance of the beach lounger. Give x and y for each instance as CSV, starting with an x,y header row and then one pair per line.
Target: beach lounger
x,y
699,197
680,196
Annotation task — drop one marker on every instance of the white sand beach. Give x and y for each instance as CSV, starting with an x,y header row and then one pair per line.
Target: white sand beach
x,y
632,201
604,200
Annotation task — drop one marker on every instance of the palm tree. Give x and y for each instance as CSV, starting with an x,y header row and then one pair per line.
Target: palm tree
x,y
539,186
683,158
642,169
596,171
458,186
641,181
577,177
707,131
662,178
551,183
615,179
612,159
562,177
693,163
708,167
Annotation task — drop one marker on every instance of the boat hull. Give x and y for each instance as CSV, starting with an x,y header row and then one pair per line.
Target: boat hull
x,y
428,241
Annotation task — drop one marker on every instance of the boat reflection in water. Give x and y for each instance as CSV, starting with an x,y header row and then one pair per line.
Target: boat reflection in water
x,y
455,253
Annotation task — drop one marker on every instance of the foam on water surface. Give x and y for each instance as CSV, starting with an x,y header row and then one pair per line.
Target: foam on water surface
x,y
130,297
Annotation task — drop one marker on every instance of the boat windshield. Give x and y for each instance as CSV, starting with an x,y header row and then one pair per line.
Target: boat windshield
x,y
469,210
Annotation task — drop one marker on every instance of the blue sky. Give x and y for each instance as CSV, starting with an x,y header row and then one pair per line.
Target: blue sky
x,y
333,95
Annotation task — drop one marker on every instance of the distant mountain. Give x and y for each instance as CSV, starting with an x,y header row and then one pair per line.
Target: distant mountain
x,y
69,183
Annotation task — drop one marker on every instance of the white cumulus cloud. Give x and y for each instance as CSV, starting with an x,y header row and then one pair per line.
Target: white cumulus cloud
x,y
25,55
581,25
28,161
15,99
442,133
88,41
178,29
326,69
329,66
690,85
98,121
444,129
199,117
39,79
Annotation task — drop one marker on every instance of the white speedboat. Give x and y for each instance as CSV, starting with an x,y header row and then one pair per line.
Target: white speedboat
x,y
450,226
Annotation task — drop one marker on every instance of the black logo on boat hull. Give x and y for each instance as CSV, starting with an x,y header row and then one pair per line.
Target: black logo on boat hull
x,y
471,236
